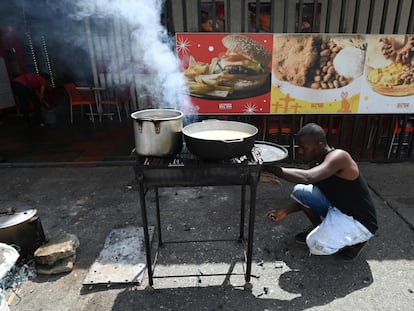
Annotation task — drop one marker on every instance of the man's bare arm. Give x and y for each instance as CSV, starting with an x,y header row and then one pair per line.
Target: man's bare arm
x,y
334,162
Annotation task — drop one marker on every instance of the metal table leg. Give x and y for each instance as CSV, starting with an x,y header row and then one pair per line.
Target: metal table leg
x,y
242,210
253,188
157,206
145,227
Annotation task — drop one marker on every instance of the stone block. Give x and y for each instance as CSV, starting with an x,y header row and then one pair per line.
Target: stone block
x,y
62,246
60,266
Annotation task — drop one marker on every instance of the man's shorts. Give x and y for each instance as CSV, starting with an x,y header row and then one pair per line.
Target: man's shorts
x,y
337,229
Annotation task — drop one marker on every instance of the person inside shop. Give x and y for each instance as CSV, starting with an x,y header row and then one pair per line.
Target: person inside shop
x,y
29,89
334,195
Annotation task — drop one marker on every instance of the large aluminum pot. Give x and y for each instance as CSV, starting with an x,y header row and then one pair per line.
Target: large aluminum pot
x,y
219,140
158,132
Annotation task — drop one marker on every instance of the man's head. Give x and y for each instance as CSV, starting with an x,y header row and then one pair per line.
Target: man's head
x,y
312,142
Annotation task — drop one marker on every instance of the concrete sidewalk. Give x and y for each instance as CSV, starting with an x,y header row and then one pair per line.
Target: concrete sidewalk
x,y
394,184
90,202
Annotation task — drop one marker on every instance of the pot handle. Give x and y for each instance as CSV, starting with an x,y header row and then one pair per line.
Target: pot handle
x,y
210,120
230,141
156,124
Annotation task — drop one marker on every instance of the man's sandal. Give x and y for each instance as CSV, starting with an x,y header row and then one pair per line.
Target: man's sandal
x,y
300,238
350,253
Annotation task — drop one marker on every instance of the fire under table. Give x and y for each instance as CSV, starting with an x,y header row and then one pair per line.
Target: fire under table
x,y
186,170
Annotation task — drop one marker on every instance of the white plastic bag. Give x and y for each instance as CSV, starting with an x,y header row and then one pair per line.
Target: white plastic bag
x,y
336,231
8,257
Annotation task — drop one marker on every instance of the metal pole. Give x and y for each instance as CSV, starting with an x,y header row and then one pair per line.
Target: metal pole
x,y
140,180
253,186
242,212
91,51
157,207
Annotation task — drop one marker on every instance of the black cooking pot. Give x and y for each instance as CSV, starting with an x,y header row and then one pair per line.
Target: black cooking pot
x,y
22,228
219,140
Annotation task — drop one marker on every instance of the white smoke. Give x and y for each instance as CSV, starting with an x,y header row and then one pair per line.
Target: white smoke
x,y
151,46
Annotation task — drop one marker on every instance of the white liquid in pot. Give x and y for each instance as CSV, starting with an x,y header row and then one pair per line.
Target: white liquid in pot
x,y
220,135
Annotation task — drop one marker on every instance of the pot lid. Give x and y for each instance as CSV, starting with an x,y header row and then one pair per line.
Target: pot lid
x,y
270,152
17,218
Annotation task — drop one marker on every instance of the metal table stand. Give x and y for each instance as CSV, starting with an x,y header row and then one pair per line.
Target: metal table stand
x,y
182,173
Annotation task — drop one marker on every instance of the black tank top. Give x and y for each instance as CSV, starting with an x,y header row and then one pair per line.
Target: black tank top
x,y
352,198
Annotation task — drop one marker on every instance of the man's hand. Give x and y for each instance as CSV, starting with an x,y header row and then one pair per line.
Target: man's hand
x,y
276,215
274,169
269,179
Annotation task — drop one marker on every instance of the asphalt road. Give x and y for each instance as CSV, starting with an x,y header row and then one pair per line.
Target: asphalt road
x,y
90,202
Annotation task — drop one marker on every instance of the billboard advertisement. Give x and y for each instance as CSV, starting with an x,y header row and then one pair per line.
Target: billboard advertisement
x,y
259,73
